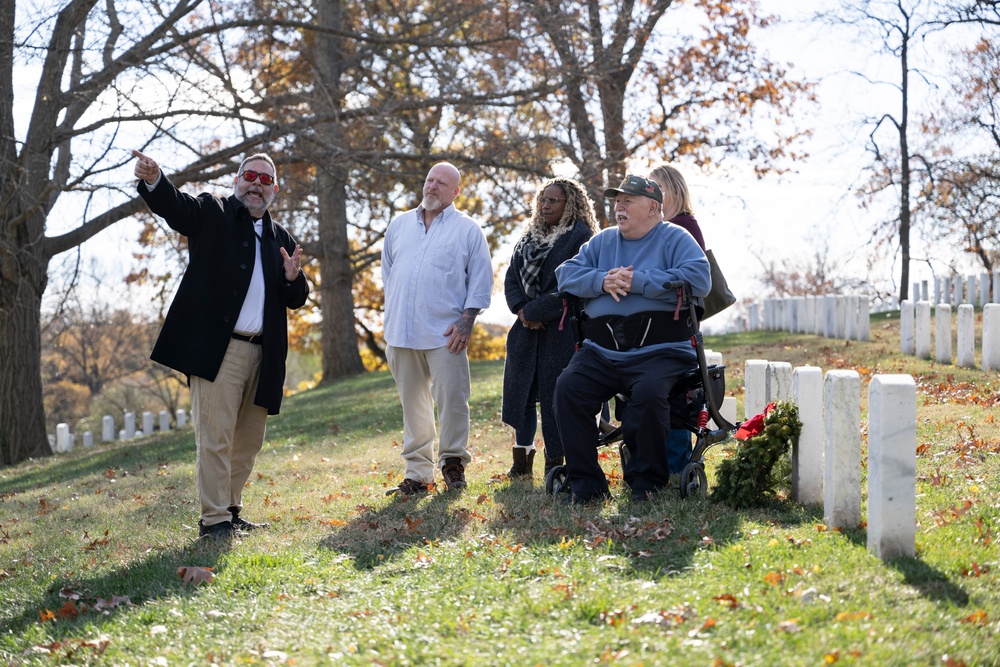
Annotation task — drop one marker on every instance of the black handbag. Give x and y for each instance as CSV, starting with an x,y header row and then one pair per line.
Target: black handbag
x,y
720,297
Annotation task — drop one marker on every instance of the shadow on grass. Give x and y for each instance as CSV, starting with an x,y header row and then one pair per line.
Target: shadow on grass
x,y
78,601
375,536
130,456
659,537
931,582
927,580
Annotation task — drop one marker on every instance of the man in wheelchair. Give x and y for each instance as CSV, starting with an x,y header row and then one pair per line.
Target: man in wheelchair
x,y
637,339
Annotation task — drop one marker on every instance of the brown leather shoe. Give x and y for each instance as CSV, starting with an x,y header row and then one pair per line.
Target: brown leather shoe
x,y
454,474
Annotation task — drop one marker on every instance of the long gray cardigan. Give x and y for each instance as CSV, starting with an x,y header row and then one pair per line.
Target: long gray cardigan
x,y
542,353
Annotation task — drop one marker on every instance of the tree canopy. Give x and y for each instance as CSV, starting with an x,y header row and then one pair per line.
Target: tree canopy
x,y
356,101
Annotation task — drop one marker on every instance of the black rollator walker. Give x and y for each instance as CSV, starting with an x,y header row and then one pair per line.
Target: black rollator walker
x,y
694,400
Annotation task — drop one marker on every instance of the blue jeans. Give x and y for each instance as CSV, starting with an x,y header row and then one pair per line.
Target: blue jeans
x,y
678,450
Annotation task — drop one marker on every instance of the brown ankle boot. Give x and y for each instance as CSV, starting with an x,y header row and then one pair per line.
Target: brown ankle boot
x,y
524,457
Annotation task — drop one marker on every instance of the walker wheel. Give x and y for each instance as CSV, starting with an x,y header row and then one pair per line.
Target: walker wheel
x,y
694,481
557,481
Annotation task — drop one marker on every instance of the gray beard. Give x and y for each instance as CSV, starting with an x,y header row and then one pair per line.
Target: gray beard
x,y
430,203
243,200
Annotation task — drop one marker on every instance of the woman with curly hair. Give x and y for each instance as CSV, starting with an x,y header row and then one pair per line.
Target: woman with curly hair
x,y
538,345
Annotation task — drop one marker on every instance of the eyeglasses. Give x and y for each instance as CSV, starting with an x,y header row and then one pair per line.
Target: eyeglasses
x,y
551,201
251,176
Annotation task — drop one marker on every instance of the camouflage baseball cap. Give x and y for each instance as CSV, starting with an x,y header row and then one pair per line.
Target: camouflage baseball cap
x,y
636,185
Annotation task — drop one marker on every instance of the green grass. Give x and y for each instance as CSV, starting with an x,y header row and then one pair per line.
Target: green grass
x,y
500,574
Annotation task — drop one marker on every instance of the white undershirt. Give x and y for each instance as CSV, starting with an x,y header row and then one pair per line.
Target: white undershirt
x,y
251,319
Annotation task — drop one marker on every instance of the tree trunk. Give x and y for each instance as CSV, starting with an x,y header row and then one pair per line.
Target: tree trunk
x,y
341,357
22,419
904,182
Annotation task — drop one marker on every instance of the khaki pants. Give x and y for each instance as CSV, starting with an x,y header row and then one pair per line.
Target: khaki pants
x,y
228,430
425,378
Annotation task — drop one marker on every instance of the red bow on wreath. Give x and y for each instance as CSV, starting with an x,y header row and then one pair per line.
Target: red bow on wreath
x,y
754,425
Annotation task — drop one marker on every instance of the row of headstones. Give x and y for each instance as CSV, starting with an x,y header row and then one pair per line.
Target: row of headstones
x,y
915,333
826,462
831,316
956,290
63,439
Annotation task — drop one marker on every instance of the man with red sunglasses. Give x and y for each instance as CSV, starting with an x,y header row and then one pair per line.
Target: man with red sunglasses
x,y
227,328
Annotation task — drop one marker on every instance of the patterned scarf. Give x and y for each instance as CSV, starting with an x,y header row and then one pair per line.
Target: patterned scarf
x,y
533,255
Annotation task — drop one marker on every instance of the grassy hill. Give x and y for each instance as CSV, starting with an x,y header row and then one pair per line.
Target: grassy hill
x,y
91,544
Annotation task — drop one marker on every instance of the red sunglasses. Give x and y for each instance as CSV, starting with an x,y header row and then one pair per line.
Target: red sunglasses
x,y
251,176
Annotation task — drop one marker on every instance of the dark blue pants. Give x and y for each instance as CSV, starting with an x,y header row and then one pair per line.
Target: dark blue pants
x,y
588,381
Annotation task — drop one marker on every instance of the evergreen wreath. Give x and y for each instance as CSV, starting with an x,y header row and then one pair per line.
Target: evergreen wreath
x,y
747,479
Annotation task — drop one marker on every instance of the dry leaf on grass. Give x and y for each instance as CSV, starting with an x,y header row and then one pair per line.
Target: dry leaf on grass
x,y
195,575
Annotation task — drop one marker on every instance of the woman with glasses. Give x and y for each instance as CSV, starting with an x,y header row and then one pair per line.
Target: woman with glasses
x,y
539,345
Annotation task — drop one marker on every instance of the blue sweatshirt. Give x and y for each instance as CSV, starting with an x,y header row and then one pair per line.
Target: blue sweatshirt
x,y
667,252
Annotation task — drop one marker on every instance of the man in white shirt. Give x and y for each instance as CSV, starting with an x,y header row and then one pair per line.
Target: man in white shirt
x,y
437,274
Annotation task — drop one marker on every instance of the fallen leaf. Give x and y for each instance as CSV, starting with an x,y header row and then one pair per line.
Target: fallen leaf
x,y
195,575
728,599
46,616
333,522
68,610
977,617
853,616
113,603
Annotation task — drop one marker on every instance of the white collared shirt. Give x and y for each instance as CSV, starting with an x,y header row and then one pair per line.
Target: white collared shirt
x,y
251,319
431,275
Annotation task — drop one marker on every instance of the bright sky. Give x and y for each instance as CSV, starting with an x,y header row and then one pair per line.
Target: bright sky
x,y
781,217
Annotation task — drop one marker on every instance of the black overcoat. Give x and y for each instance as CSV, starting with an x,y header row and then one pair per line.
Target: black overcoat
x,y
222,251
539,353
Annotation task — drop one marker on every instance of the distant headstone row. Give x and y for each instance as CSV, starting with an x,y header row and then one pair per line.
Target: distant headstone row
x,y
915,333
956,289
831,316
826,463
63,440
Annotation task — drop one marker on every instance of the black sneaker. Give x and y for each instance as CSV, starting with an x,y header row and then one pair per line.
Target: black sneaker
x,y
641,495
242,524
454,474
408,487
584,501
219,531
